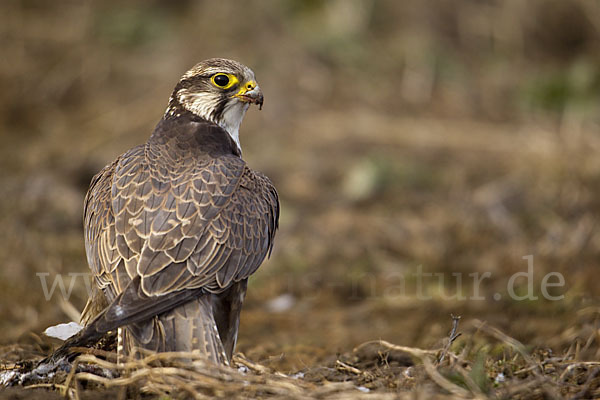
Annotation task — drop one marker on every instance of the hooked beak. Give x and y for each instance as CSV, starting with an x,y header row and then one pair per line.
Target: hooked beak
x,y
250,93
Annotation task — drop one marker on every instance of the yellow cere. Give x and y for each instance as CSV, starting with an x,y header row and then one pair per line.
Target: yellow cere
x,y
233,80
250,85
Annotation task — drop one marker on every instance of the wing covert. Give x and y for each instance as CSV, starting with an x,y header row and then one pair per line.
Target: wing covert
x,y
205,226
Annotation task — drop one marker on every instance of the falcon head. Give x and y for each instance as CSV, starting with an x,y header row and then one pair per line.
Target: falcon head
x,y
218,90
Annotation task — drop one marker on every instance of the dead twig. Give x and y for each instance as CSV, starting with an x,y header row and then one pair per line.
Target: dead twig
x,y
451,338
240,359
413,351
346,367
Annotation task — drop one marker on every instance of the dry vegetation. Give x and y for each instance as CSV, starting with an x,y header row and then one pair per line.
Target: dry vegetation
x,y
435,136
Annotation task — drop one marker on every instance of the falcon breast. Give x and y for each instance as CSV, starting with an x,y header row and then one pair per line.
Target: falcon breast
x,y
174,227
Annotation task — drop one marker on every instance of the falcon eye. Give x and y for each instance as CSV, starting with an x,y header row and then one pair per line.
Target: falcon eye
x,y
221,80
224,81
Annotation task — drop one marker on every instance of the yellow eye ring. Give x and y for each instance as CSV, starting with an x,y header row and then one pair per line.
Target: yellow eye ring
x,y
224,81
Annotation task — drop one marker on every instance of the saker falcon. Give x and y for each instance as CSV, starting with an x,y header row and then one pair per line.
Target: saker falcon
x,y
174,227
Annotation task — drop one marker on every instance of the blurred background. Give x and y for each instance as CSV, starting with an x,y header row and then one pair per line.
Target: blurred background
x,y
405,138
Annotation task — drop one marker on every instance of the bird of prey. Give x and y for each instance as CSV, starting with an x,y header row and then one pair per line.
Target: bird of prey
x,y
174,227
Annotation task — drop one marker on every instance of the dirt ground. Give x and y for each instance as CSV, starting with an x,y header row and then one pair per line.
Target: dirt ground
x,y
432,159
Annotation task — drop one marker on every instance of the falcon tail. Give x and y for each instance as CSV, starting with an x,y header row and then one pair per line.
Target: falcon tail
x,y
182,321
190,327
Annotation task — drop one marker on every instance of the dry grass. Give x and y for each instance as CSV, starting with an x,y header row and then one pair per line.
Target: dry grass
x,y
485,364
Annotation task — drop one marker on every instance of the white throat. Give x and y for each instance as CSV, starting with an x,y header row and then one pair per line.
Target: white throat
x,y
231,118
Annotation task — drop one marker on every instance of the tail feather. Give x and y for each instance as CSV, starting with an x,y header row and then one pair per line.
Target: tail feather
x,y
190,327
227,307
